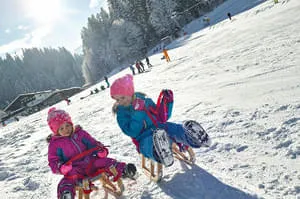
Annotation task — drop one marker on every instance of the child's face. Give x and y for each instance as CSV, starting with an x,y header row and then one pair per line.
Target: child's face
x,y
123,100
66,129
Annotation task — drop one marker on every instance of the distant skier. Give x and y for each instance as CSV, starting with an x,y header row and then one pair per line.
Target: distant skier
x,y
137,119
107,82
148,62
206,20
138,67
132,69
68,101
229,15
166,55
142,66
67,142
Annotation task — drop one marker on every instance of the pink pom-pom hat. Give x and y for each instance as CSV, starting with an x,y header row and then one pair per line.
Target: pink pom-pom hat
x,y
122,86
56,118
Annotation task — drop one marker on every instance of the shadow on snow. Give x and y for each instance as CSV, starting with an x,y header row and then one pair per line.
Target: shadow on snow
x,y
196,183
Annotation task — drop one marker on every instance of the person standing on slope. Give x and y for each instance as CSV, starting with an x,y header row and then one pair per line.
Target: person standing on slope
x,y
166,55
148,62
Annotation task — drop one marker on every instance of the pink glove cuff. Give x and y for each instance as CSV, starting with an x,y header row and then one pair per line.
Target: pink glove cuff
x,y
138,104
103,153
64,169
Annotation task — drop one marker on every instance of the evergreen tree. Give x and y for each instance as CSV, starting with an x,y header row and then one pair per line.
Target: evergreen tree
x,y
160,16
38,70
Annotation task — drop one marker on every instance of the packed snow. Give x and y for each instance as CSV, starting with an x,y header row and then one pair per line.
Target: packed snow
x,y
240,79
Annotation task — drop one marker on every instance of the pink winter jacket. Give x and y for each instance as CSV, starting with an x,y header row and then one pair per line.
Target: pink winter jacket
x,y
61,149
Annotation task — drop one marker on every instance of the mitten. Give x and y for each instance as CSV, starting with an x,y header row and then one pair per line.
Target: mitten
x,y
64,169
138,104
102,153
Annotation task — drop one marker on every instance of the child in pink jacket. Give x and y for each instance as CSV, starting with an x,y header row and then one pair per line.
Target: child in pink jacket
x,y
68,142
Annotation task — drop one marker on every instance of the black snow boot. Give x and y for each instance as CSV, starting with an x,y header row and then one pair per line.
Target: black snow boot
x,y
66,195
129,171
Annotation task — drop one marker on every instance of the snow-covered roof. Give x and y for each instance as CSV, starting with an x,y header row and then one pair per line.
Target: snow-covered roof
x,y
2,114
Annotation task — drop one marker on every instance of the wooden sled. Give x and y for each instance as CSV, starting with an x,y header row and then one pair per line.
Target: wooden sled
x,y
188,158
114,188
154,170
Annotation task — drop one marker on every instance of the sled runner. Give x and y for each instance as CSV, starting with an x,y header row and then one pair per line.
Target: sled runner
x,y
189,158
154,170
86,187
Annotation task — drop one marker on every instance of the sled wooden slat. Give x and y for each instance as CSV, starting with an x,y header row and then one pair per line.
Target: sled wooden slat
x,y
182,156
154,170
114,188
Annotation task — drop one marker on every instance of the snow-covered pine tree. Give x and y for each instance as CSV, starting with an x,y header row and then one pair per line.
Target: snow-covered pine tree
x,y
128,44
160,16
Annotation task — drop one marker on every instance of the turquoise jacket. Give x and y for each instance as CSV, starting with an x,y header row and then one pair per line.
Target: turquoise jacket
x,y
138,125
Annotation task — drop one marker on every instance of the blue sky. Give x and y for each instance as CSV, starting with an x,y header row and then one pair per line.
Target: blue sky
x,y
44,23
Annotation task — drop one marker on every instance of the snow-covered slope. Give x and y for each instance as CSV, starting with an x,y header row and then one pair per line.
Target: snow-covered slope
x,y
239,78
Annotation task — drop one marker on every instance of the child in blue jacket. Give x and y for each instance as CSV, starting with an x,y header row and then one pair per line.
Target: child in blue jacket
x,y
152,138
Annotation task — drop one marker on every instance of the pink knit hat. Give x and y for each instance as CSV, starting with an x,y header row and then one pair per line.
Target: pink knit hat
x,y
56,118
122,86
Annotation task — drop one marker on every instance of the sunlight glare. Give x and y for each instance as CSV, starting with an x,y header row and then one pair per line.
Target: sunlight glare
x,y
44,11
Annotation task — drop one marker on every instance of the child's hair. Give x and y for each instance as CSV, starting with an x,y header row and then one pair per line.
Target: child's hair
x,y
75,128
49,138
114,108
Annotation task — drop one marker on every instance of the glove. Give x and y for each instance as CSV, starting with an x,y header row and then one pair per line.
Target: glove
x,y
64,169
168,95
138,104
102,153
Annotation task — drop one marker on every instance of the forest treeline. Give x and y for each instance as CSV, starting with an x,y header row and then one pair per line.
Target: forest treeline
x,y
110,40
38,70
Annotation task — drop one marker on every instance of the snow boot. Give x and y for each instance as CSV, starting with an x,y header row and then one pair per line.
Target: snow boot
x,y
196,133
66,195
129,171
162,147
